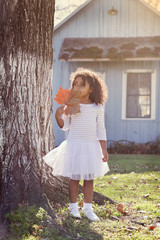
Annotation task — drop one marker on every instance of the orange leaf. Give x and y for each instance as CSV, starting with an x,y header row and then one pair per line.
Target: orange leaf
x,y
81,203
70,98
62,96
120,208
151,227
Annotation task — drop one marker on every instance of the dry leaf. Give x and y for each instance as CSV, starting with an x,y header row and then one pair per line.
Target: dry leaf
x,y
72,104
71,98
152,227
146,195
132,188
81,203
62,96
120,208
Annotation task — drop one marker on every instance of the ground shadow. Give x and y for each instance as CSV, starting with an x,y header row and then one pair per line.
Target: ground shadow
x,y
80,229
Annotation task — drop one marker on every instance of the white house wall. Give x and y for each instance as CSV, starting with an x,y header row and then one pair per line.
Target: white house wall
x,y
133,20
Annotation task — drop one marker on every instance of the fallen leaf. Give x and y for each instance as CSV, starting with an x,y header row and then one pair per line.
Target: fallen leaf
x,y
146,195
120,208
152,227
81,203
132,188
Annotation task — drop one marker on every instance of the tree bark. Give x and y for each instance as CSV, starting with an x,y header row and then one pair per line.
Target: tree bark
x,y
26,56
26,132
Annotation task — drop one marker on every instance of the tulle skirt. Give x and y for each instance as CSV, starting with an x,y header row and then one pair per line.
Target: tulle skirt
x,y
77,160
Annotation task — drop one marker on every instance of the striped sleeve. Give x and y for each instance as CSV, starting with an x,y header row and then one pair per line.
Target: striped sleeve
x,y
101,131
67,121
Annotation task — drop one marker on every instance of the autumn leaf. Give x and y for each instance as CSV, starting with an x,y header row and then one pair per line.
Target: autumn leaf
x,y
146,196
152,227
120,208
81,203
72,104
71,98
62,96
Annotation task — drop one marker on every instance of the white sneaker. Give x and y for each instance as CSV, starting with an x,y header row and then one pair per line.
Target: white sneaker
x,y
74,212
90,214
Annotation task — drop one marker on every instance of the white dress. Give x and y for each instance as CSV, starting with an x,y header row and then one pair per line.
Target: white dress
x,y
80,156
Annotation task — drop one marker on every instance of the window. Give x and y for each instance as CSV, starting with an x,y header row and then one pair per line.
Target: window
x,y
138,94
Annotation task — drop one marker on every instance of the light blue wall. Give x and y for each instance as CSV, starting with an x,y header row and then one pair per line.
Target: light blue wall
x,y
133,20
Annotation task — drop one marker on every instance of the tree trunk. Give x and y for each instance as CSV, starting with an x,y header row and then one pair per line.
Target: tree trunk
x,y
26,133
26,53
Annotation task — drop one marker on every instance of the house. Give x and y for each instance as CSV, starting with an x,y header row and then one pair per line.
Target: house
x,y
120,40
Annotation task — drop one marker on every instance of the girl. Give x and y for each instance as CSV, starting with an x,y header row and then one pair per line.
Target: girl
x,y
84,154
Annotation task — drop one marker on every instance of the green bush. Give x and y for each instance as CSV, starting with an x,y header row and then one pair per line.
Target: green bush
x,y
128,147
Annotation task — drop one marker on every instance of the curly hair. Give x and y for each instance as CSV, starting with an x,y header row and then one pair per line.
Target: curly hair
x,y
99,93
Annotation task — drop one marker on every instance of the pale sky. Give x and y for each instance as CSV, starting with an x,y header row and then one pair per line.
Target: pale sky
x,y
64,7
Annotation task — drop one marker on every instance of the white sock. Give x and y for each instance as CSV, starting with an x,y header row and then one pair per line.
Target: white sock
x,y
87,206
73,205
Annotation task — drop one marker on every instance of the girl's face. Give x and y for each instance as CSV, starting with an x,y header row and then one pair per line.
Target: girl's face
x,y
82,86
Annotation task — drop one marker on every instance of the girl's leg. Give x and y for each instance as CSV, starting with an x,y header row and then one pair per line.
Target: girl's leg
x,y
88,191
73,190
88,196
73,194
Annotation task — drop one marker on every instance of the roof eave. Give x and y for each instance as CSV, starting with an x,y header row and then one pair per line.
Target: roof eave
x,y
109,59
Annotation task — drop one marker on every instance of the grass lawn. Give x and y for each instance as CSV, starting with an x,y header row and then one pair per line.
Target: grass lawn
x,y
133,182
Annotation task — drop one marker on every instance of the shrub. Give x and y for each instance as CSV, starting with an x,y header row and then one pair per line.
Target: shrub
x,y
128,147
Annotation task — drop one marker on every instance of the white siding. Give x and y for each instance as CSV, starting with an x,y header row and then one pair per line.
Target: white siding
x,y
133,19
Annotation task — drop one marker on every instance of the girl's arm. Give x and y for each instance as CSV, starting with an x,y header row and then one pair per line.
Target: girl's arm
x,y
103,144
58,116
101,133
63,120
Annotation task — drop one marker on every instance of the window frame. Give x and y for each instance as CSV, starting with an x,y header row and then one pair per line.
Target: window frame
x,y
153,93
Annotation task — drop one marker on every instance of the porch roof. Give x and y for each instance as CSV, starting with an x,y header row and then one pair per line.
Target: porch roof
x,y
110,49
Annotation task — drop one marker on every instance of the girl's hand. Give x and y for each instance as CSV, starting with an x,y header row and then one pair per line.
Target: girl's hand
x,y
105,155
59,112
104,150
58,115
